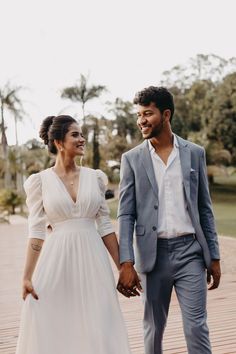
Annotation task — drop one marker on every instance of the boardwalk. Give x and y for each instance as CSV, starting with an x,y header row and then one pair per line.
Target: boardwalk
x,y
221,302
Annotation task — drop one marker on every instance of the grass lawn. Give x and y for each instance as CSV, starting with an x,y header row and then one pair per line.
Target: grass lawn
x,y
113,204
223,194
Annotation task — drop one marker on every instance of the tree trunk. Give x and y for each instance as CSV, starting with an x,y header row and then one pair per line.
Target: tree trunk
x,y
211,179
96,152
7,176
19,176
16,133
84,119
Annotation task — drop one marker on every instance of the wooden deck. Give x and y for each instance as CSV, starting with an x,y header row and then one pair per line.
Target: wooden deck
x,y
221,303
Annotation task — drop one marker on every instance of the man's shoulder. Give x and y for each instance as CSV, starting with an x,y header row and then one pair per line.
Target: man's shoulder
x,y
193,146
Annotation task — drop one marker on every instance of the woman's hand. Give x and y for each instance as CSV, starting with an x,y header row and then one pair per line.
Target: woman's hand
x,y
28,289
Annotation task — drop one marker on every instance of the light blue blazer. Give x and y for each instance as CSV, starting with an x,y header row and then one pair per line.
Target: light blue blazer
x,y
138,204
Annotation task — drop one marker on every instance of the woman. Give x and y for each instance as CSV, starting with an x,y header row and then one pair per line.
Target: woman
x,y
71,304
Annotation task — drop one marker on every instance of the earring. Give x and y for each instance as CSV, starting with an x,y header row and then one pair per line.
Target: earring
x,y
61,149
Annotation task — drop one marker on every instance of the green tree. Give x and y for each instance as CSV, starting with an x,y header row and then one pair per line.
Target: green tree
x,y
208,67
180,121
95,130
9,200
82,92
11,103
200,98
193,108
117,146
222,127
124,121
35,157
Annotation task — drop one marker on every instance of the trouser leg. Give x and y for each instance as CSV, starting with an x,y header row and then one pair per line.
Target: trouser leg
x,y
157,287
191,290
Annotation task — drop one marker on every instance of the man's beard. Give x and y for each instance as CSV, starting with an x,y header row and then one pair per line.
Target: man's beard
x,y
156,131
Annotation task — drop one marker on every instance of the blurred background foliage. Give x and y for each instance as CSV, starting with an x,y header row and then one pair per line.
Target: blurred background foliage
x,y
204,90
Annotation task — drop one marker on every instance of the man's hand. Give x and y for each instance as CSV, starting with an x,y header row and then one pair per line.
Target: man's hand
x,y
214,274
129,282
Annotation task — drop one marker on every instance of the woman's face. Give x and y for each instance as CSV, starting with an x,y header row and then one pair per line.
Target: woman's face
x,y
74,142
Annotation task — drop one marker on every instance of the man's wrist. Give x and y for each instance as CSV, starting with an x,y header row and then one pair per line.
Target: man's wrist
x,y
127,264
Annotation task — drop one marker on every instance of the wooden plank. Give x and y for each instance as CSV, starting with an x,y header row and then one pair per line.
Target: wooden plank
x,y
221,302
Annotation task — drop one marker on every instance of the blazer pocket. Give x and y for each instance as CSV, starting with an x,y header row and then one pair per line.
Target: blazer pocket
x,y
194,174
139,230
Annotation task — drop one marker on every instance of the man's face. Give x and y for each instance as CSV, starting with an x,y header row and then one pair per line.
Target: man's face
x,y
150,121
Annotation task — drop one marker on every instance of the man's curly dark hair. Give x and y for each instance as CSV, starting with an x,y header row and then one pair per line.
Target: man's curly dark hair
x,y
160,96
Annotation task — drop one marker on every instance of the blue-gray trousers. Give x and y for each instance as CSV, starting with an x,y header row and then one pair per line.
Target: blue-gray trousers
x,y
179,264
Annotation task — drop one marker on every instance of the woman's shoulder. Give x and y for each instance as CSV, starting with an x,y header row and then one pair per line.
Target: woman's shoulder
x,y
33,181
102,176
99,174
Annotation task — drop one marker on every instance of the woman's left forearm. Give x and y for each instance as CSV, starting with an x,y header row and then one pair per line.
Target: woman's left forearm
x,y
112,246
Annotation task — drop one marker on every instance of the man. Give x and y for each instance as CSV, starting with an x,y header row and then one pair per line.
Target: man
x,y
164,197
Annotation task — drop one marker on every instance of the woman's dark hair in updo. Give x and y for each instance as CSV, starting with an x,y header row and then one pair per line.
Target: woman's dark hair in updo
x,y
55,128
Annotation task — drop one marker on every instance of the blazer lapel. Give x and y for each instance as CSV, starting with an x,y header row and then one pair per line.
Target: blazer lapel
x,y
185,161
148,166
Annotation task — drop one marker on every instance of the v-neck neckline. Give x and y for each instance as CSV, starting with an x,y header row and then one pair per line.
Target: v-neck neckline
x,y
64,186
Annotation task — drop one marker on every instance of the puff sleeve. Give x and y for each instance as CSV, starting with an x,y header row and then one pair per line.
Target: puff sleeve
x,y
34,202
103,221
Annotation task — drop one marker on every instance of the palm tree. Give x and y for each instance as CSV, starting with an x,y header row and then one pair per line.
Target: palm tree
x,y
9,101
82,93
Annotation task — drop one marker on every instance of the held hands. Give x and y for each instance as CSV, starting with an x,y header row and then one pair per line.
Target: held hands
x,y
129,282
213,275
28,289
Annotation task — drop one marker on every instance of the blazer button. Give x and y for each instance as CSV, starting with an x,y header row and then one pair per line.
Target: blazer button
x,y
154,228
155,207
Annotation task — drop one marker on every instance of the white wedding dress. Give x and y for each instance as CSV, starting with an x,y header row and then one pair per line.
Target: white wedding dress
x,y
78,310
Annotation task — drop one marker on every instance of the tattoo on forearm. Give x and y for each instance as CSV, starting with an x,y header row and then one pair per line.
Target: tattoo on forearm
x,y
36,248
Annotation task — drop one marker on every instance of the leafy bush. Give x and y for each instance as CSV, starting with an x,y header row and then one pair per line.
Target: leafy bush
x,y
9,200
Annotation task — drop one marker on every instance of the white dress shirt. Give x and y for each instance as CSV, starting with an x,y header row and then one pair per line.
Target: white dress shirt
x,y
173,217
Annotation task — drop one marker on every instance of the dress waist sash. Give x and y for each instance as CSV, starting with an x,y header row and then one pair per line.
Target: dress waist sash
x,y
73,224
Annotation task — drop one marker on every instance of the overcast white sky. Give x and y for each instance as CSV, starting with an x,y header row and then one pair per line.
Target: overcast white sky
x,y
123,44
